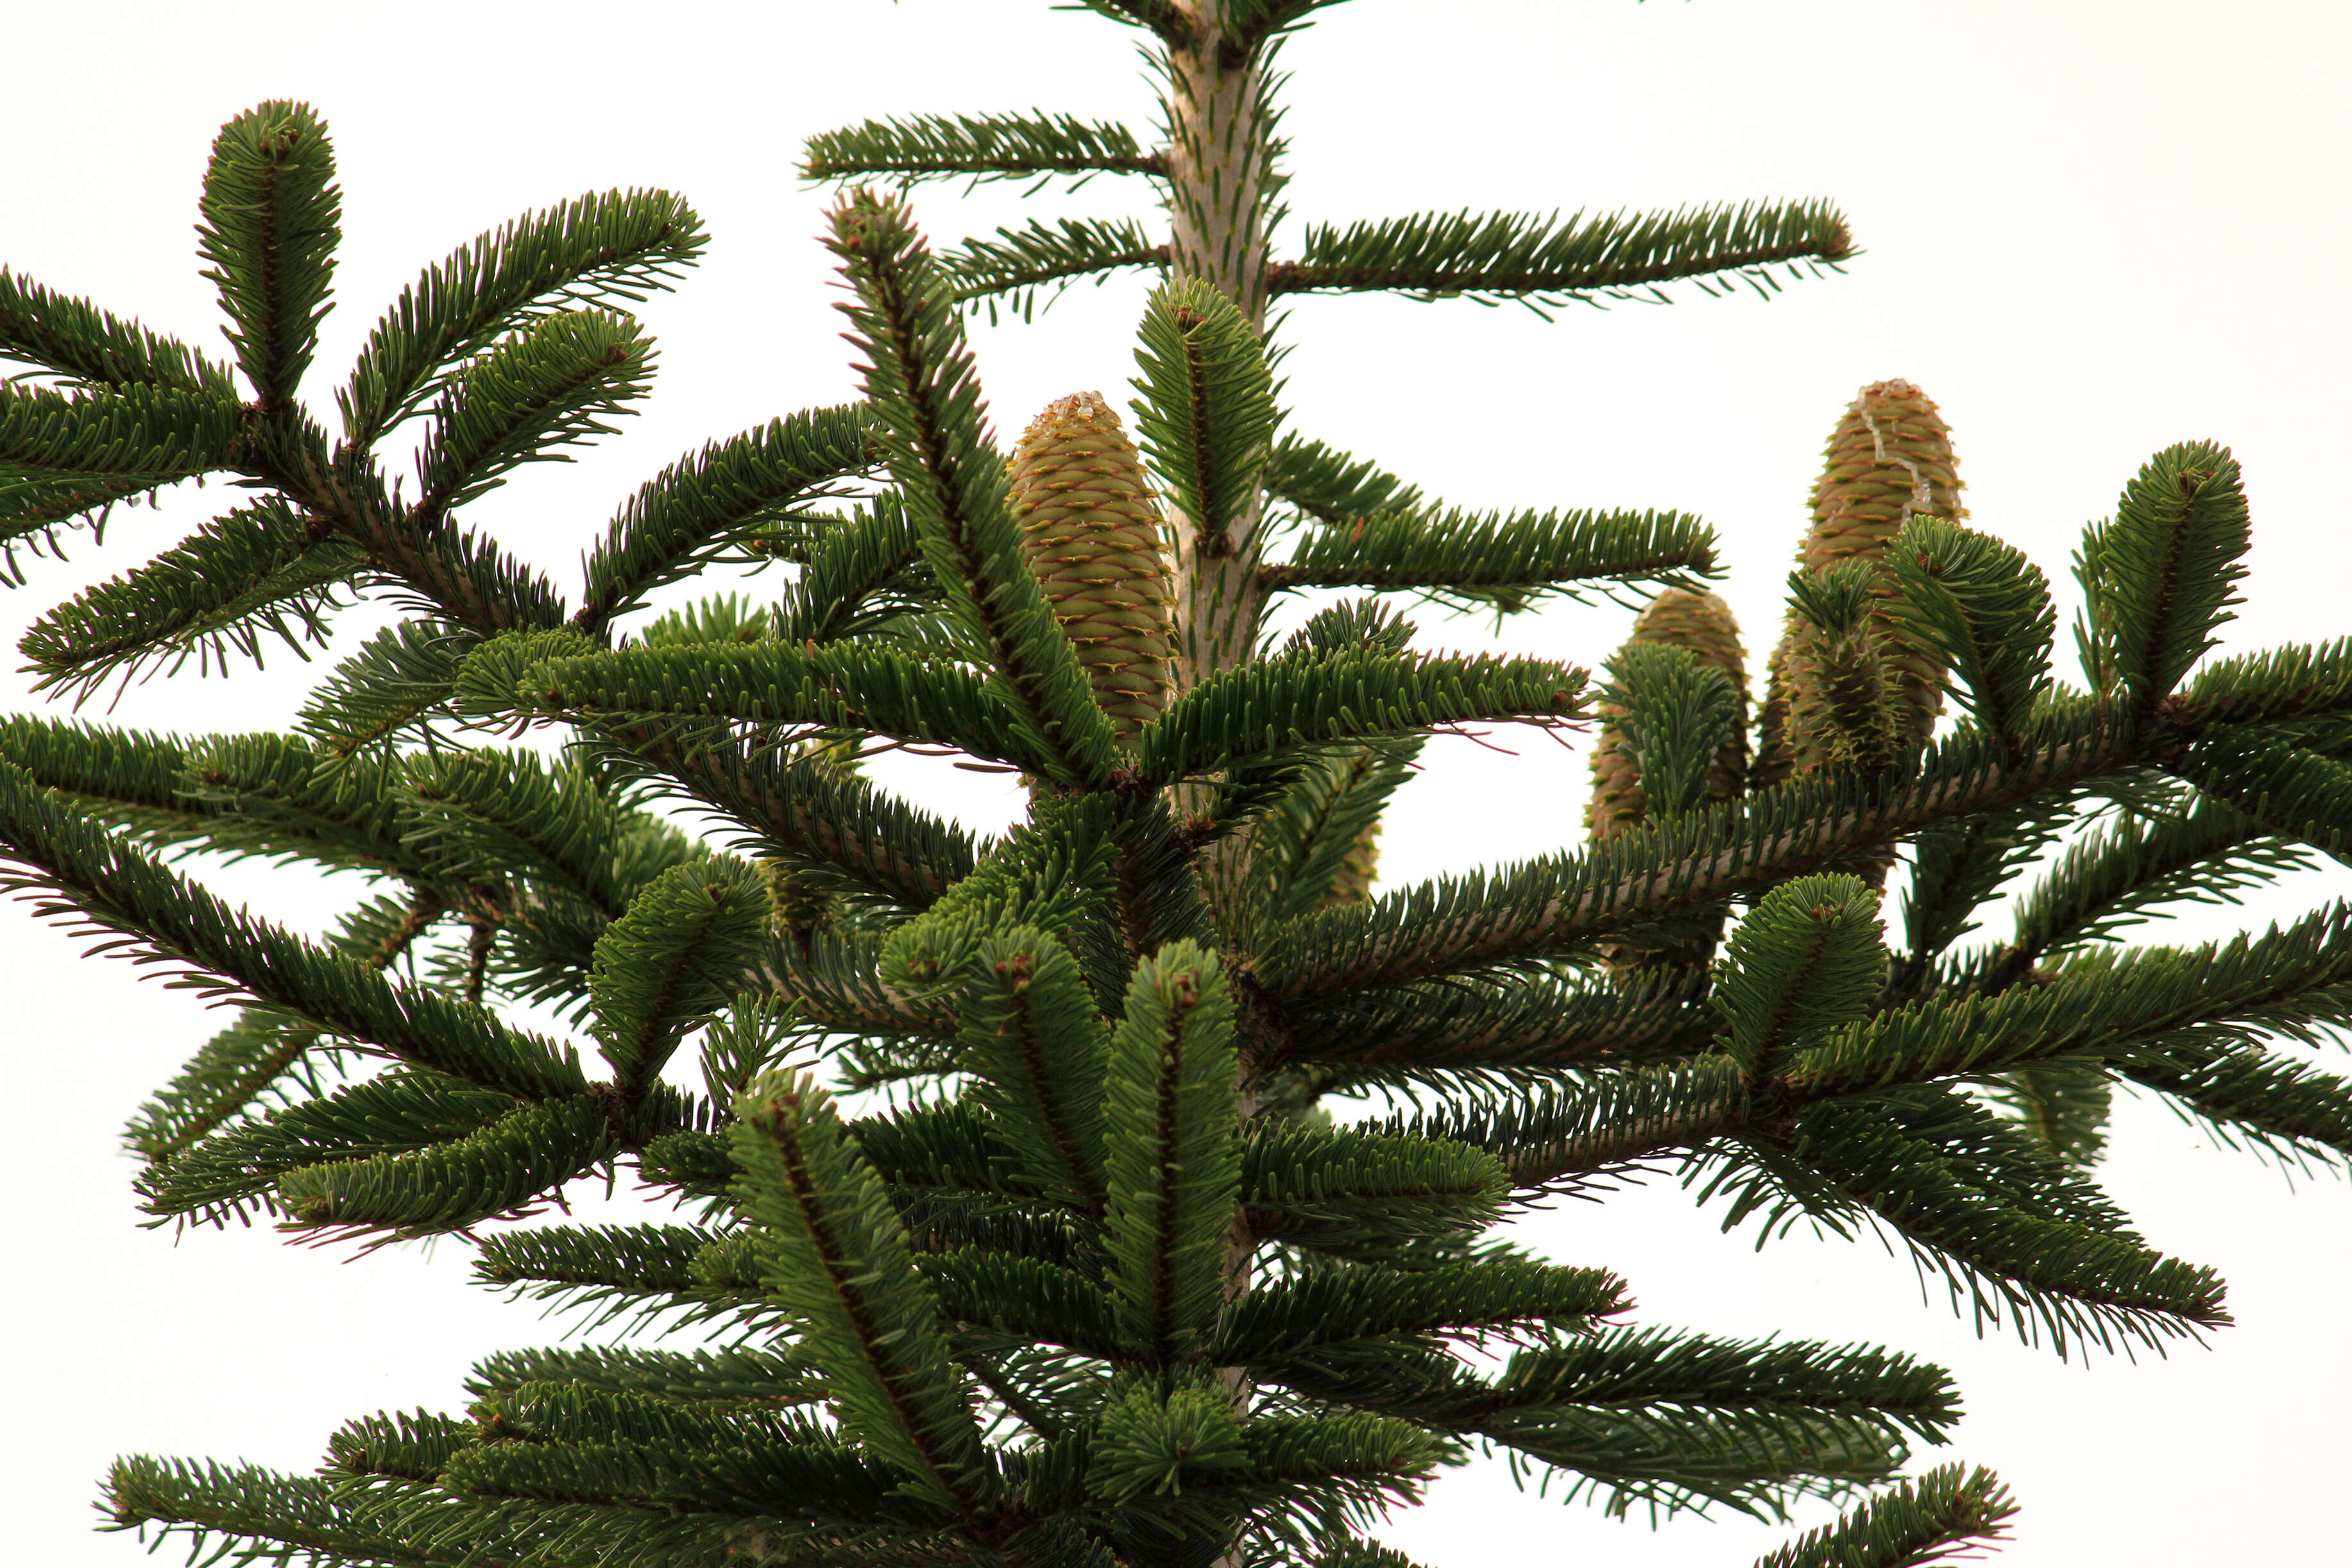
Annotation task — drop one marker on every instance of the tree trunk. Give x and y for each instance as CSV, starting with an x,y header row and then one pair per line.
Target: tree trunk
x,y
1217,165
1217,169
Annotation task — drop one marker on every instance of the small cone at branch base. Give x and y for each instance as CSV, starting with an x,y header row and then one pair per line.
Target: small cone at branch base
x,y
1703,624
1093,537
1358,868
1889,461
798,905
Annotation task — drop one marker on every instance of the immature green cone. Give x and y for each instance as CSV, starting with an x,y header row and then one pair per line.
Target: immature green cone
x,y
1092,537
1703,624
798,905
795,907
1889,461
1353,885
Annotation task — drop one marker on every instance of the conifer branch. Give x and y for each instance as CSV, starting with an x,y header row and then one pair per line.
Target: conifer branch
x,y
1674,1421
1172,1155
1031,1035
1332,487
255,574
1315,1317
1300,849
2158,580
267,798
449,573
1509,1020
1207,411
392,683
834,1251
2062,1107
860,842
1950,1512
154,435
449,1186
1505,561
272,220
241,1067
597,251
857,840
865,577
1264,709
2107,882
74,339
1545,261
559,382
252,1512
220,1176
1551,906
71,871
837,984
977,147
685,945
2251,1095
256,1061
2298,979
931,423
1956,867
2295,681
741,1377
130,778
1566,1134
1806,959
612,1270
1025,1297
2002,1222
490,814
1980,609
846,686
35,508
702,504
1021,262
1364,1194
2290,789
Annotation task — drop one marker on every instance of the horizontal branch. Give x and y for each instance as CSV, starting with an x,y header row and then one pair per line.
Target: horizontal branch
x,y
1497,558
978,147
1539,257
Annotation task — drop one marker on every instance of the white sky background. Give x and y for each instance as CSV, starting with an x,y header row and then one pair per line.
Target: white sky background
x,y
2091,229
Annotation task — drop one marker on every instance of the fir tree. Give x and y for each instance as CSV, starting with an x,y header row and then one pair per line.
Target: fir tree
x,y
1085,1274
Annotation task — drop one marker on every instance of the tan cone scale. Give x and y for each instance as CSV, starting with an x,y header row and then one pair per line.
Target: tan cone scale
x,y
1704,625
1093,537
1889,461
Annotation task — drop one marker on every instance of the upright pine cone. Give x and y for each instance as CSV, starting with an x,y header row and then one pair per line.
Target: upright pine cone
x,y
1702,623
1889,461
1092,534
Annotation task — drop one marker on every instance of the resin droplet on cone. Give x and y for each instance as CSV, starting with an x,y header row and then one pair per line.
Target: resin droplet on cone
x,y
1093,537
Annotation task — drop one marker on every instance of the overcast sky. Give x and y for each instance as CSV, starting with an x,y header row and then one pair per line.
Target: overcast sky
x,y
2090,229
